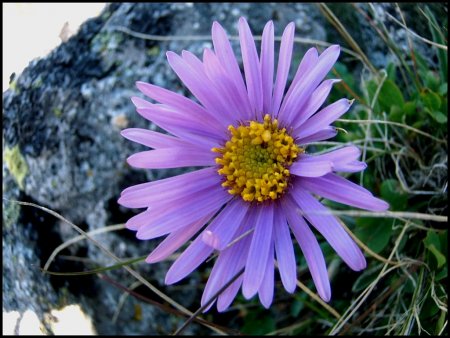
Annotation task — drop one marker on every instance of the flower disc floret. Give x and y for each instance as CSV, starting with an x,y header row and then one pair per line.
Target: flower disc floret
x,y
255,161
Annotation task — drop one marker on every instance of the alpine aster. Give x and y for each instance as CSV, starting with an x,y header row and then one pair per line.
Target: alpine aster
x,y
258,181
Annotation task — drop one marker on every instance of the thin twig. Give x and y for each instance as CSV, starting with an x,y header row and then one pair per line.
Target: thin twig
x,y
213,297
418,131
110,254
168,38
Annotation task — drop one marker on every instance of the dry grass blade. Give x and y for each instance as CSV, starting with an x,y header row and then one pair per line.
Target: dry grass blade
x,y
152,37
110,254
402,125
79,238
213,297
329,15
364,294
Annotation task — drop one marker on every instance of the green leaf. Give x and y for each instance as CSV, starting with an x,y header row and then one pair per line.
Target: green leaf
x,y
443,89
438,116
432,80
396,114
392,193
390,95
374,232
258,324
410,108
433,244
391,71
364,280
431,100
296,307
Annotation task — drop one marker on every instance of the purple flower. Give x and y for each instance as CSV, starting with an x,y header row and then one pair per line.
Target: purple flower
x,y
259,182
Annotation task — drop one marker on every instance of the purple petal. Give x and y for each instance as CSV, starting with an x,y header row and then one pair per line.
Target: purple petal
x,y
305,88
251,67
227,297
325,117
226,56
176,239
267,66
306,65
310,248
189,260
284,62
324,134
138,220
310,166
218,75
329,227
265,291
196,254
284,252
259,251
176,124
341,190
175,216
151,138
229,262
228,221
181,186
171,158
344,159
197,82
181,103
316,100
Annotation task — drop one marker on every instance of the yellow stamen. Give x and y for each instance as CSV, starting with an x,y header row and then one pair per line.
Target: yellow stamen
x,y
255,161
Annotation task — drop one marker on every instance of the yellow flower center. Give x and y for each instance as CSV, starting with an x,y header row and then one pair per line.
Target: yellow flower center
x,y
255,161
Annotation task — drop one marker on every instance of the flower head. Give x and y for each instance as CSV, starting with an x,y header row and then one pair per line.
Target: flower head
x,y
259,180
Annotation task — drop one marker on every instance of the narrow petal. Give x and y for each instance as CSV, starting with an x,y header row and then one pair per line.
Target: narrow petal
x,y
189,260
324,134
175,218
259,251
136,221
196,254
144,194
176,124
305,88
267,66
284,62
329,227
266,289
197,82
228,60
325,117
311,167
241,249
181,103
226,86
227,297
316,100
341,190
344,159
228,221
176,239
306,65
284,252
310,248
229,262
152,138
171,158
252,68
